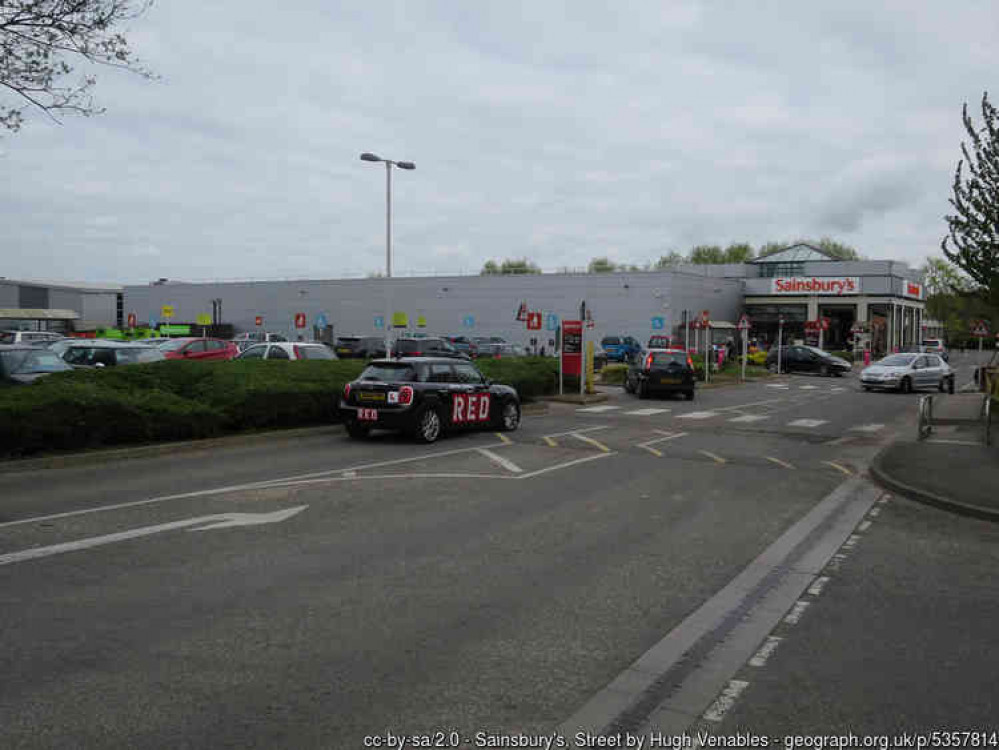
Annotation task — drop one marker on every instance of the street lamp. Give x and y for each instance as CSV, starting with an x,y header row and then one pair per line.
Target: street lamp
x,y
388,237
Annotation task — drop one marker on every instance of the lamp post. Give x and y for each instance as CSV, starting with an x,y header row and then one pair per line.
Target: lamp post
x,y
388,238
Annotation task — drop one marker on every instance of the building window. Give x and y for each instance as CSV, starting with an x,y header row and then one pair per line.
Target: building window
x,y
120,310
772,270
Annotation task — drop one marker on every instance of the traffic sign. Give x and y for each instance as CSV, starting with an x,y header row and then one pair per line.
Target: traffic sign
x,y
468,321
743,324
379,321
131,320
421,321
259,320
203,319
300,320
166,311
321,320
551,322
658,322
534,321
980,329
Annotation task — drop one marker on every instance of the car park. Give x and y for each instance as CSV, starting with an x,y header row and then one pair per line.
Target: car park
x,y
464,345
96,353
481,341
429,346
287,350
502,351
656,371
807,359
936,346
906,372
29,337
426,397
246,340
23,363
198,349
620,348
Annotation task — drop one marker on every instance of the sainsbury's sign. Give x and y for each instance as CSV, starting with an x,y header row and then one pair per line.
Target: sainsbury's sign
x,y
830,285
912,289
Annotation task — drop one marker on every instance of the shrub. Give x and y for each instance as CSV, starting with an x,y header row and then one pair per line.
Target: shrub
x,y
530,376
613,374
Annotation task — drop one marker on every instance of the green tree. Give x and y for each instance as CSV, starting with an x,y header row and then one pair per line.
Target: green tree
x,y
972,243
509,267
672,258
772,247
940,277
739,252
40,40
601,265
707,254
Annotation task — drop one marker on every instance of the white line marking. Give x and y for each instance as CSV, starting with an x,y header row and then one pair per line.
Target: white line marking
x,y
838,388
875,512
777,461
778,385
506,463
952,442
698,415
851,542
717,459
868,428
840,467
807,387
666,436
591,441
766,651
725,701
218,520
349,474
598,409
794,616
504,438
749,418
864,526
807,422
647,412
573,432
740,407
566,465
816,588
652,450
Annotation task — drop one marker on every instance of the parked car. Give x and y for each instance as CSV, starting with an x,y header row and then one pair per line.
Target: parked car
x,y
198,349
245,340
807,359
502,351
464,345
660,371
431,346
29,337
287,350
346,346
98,353
153,341
660,341
22,363
426,397
907,372
481,341
620,348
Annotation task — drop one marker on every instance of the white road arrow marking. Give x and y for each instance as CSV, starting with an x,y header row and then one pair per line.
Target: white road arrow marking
x,y
218,521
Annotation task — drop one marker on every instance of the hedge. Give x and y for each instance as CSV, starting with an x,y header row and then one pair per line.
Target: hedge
x,y
179,400
613,374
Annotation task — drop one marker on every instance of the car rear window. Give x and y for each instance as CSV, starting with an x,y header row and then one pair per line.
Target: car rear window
x,y
609,340
388,372
661,359
897,360
932,343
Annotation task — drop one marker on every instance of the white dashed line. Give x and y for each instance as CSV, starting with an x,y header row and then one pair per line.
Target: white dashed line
x,y
807,422
840,467
868,428
597,409
808,387
778,385
777,461
794,616
766,651
875,512
506,463
816,588
837,389
716,458
698,415
647,412
725,701
749,418
851,542
864,526
591,441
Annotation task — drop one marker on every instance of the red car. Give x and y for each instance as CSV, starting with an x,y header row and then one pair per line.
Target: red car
x,y
198,348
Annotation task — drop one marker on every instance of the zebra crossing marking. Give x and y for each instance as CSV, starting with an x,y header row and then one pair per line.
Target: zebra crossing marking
x,y
647,412
698,415
597,409
807,422
749,418
868,427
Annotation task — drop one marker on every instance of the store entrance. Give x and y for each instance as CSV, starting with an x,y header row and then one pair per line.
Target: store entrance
x,y
841,319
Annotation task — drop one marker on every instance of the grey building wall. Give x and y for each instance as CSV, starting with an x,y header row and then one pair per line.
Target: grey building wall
x,y
8,294
621,303
66,299
99,308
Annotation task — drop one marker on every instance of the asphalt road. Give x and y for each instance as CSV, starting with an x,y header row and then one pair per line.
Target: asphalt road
x,y
486,583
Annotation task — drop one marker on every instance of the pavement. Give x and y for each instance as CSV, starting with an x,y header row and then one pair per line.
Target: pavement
x,y
952,468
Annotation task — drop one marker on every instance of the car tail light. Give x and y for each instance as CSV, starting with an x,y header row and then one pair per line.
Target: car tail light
x,y
648,362
690,362
346,392
405,395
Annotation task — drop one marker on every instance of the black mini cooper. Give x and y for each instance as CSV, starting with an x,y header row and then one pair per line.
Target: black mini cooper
x,y
425,397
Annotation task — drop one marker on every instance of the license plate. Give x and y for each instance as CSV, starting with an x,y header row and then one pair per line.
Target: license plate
x,y
367,415
343,351
370,396
668,381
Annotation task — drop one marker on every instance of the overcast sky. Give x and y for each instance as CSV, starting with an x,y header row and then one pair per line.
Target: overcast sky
x,y
556,131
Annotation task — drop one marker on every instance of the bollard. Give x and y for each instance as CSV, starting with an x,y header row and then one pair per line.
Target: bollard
x,y
867,357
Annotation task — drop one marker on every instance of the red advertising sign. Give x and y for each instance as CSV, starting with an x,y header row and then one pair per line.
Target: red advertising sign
x,y
299,320
469,407
522,311
534,321
572,347
131,320
912,289
259,320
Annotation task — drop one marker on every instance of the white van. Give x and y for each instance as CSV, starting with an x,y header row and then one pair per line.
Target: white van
x,y
28,337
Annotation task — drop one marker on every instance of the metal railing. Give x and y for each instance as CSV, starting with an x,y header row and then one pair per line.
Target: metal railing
x,y
925,423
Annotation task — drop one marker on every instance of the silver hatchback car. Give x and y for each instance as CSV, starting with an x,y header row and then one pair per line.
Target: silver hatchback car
x,y
907,372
